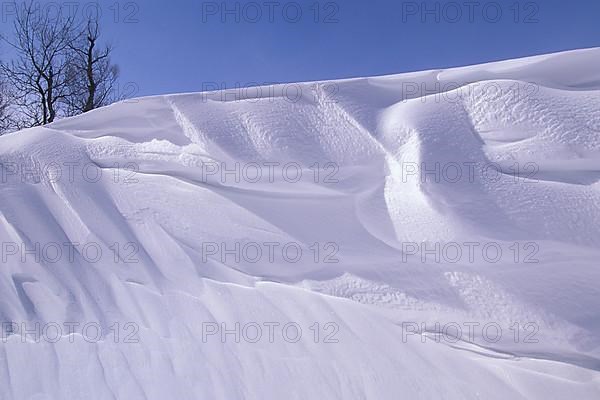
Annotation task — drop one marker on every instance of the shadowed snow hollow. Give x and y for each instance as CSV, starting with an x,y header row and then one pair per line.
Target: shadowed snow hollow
x,y
434,234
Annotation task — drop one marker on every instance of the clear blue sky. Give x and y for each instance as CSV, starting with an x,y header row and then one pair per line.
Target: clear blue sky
x,y
185,45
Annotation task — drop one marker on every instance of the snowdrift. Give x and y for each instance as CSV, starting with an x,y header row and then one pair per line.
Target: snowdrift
x,y
425,235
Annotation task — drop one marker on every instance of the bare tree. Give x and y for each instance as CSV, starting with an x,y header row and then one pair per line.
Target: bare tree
x,y
92,75
6,120
38,75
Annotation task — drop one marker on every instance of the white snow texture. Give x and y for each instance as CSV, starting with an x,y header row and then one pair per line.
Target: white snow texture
x,y
429,235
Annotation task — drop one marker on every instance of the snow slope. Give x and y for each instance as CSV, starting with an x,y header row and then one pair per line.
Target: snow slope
x,y
125,221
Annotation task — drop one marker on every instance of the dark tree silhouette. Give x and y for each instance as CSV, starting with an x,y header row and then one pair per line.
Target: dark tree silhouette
x,y
60,68
92,75
38,75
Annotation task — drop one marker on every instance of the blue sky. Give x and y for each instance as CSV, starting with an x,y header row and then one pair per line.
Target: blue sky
x,y
185,45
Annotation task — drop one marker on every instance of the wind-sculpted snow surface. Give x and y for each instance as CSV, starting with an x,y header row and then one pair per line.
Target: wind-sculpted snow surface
x,y
424,235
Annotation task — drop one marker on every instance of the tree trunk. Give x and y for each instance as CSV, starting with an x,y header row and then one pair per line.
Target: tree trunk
x,y
90,103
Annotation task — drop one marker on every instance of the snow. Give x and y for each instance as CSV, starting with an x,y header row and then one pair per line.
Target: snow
x,y
125,221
